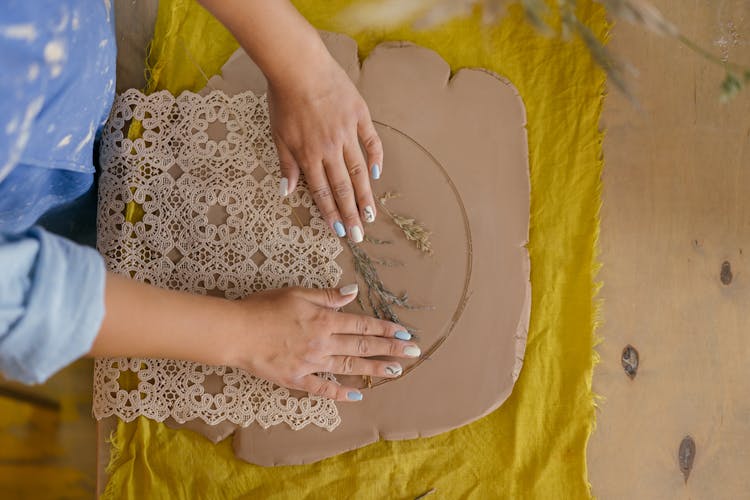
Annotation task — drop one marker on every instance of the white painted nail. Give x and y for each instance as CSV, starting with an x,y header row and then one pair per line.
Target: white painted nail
x,y
284,187
357,235
412,351
349,289
369,214
393,371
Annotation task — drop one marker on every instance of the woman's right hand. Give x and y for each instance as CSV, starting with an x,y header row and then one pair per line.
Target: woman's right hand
x,y
286,336
292,334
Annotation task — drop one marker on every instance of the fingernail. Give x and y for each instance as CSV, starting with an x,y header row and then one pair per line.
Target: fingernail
x,y
339,228
412,351
369,214
393,371
357,235
402,335
354,396
375,170
349,289
284,187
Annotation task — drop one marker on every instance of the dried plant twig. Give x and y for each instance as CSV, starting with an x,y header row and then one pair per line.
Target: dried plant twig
x,y
376,241
425,494
413,230
380,299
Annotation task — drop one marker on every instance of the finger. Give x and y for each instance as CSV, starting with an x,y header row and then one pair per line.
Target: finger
x,y
343,193
359,324
355,163
353,365
332,298
323,197
374,148
318,386
289,169
367,347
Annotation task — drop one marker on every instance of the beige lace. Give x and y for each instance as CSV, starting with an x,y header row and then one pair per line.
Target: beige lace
x,y
200,188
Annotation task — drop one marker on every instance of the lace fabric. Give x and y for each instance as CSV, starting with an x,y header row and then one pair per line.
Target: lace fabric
x,y
199,186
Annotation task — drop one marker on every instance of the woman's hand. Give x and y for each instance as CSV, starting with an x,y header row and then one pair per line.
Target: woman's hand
x,y
318,118
285,336
318,121
294,333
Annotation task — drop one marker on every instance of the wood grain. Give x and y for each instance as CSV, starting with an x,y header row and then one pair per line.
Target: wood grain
x,y
674,233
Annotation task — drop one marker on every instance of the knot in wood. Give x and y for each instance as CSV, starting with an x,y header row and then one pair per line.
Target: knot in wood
x,y
630,361
686,456
726,273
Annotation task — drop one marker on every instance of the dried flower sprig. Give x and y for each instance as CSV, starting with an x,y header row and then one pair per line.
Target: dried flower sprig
x,y
423,14
379,298
387,262
377,241
413,230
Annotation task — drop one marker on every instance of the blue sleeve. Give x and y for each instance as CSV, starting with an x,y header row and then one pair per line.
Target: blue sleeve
x,y
51,303
22,98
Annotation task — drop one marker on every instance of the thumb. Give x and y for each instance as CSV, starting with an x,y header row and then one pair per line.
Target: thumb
x,y
332,298
289,169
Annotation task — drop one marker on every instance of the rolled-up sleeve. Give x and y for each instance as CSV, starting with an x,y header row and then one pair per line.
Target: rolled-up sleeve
x,y
51,303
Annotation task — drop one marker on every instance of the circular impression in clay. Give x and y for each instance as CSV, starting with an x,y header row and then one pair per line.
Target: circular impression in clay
x,y
435,283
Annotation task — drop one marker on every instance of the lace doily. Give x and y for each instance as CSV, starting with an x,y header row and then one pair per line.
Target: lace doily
x,y
200,189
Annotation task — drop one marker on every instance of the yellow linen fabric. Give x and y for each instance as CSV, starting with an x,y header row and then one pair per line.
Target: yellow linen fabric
x,y
534,445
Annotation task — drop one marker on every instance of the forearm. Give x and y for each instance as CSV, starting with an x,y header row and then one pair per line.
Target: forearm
x,y
273,33
146,321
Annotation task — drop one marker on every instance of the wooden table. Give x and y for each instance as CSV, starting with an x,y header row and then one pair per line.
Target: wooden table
x,y
675,232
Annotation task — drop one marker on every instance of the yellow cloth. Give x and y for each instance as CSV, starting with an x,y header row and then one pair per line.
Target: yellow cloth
x,y
534,445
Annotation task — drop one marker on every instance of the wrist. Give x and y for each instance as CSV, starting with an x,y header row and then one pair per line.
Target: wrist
x,y
230,335
309,62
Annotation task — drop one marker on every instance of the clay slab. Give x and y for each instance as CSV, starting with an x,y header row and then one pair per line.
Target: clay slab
x,y
456,149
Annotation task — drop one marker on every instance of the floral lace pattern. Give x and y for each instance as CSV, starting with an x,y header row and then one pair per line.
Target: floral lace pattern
x,y
199,186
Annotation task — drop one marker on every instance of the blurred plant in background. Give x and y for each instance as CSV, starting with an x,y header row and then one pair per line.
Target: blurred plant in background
x,y
556,17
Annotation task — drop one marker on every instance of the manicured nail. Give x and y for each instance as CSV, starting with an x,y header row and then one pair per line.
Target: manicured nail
x,y
393,371
375,171
339,228
357,235
369,214
402,335
412,351
284,187
349,289
354,396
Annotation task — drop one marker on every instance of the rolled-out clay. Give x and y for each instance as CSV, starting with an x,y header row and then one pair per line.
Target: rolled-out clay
x,y
456,150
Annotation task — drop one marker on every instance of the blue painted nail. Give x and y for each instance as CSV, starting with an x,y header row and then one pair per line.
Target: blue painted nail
x,y
375,171
339,228
354,396
402,335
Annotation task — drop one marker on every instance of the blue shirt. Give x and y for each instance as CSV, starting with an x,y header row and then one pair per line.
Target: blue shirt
x,y
56,88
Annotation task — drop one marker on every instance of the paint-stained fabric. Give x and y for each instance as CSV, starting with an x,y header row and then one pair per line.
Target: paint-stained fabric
x,y
58,61
534,446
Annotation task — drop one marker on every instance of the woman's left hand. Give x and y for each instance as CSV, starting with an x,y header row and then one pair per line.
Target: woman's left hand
x,y
318,123
318,118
